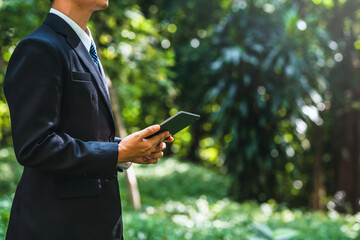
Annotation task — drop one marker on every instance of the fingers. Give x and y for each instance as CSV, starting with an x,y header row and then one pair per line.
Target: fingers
x,y
154,156
160,137
169,139
139,149
148,131
146,160
160,147
159,154
152,161
137,146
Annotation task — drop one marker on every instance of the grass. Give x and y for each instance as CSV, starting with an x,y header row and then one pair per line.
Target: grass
x,y
185,201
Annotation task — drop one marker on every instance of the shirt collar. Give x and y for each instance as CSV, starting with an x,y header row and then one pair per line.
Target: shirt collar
x,y
85,38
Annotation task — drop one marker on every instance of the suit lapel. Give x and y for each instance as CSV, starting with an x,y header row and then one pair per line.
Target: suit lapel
x,y
63,28
88,61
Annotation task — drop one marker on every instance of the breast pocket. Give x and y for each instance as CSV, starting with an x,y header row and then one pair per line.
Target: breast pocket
x,y
80,106
81,77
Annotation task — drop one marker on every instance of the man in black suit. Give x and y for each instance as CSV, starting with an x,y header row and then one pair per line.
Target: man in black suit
x,y
63,133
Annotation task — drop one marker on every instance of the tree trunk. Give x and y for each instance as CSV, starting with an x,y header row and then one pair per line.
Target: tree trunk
x,y
319,191
344,79
347,154
130,177
347,135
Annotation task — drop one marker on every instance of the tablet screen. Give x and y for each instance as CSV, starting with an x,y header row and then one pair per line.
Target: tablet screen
x,y
177,122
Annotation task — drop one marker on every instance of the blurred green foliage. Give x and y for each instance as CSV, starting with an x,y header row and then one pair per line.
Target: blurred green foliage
x,y
253,70
185,201
266,76
264,69
272,80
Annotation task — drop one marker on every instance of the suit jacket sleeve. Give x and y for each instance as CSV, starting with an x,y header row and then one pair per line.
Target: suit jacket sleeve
x,y
33,88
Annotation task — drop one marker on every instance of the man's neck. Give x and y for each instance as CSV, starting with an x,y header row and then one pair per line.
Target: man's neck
x,y
77,13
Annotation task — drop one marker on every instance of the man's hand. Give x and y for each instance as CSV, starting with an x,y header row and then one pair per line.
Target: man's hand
x,y
137,149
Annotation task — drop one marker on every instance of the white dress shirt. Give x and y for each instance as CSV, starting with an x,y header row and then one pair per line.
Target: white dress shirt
x,y
85,37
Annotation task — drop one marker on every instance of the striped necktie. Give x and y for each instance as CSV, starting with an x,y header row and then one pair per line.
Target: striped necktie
x,y
96,60
94,55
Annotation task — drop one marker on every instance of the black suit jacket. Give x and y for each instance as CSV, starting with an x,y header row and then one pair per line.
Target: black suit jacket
x,y
63,135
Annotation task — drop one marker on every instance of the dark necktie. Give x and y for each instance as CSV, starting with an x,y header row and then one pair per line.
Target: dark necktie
x,y
96,60
94,55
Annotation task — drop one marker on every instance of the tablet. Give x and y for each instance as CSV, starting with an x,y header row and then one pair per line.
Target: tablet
x,y
177,122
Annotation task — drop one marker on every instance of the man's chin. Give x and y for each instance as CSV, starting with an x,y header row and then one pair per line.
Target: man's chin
x,y
103,5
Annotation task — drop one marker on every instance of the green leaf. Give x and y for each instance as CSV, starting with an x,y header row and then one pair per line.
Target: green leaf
x,y
285,234
264,229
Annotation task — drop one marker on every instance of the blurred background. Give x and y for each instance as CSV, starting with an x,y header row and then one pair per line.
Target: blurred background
x,y
276,153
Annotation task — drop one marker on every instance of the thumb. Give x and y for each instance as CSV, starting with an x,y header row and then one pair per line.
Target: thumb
x,y
149,131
